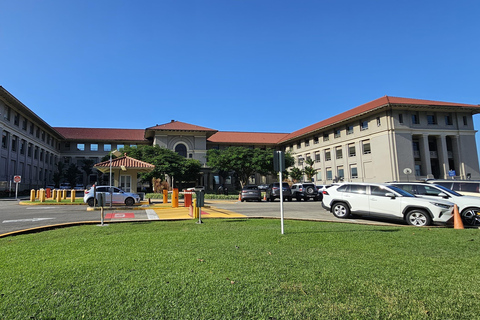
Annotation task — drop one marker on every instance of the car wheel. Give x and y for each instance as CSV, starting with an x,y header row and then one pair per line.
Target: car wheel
x,y
272,198
341,210
418,218
91,202
469,214
129,202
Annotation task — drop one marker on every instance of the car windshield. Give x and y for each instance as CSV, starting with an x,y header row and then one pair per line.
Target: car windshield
x,y
402,192
448,191
250,188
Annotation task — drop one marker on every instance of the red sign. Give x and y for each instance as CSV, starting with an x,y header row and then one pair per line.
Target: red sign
x,y
17,179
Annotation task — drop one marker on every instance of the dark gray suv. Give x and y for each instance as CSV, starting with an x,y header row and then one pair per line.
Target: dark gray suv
x,y
273,191
305,191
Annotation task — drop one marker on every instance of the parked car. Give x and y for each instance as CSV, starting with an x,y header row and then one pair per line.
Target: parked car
x,y
65,185
273,191
468,206
118,196
79,187
304,191
50,186
251,192
385,201
465,187
263,187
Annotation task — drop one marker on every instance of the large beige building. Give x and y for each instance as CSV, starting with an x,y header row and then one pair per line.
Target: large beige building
x,y
383,140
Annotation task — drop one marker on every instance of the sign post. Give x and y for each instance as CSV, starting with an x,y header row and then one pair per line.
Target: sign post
x,y
17,180
279,165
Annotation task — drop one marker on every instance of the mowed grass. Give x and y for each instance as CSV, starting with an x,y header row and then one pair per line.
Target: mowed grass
x,y
241,269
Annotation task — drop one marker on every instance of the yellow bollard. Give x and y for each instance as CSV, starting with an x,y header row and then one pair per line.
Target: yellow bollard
x,y
37,195
59,196
42,195
72,196
54,194
32,195
64,194
175,198
195,209
165,196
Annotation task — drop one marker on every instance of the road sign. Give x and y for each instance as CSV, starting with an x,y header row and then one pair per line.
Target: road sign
x,y
17,179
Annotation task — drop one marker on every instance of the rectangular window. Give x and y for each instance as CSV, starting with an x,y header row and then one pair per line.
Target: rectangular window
x,y
43,135
317,156
29,151
465,120
351,150
340,172
378,122
366,147
328,156
14,143
299,145
415,118
329,173
22,146
325,137
337,133
120,146
31,128
5,139
307,142
353,172
107,147
6,116
319,175
364,125
41,155
448,120
24,124
431,119
94,147
80,147
37,133
300,160
315,140
339,153
400,118
67,145
35,153
16,119
349,129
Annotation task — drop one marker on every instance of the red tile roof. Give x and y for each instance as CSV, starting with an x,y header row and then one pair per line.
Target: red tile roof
x,y
102,134
179,126
246,137
127,162
370,106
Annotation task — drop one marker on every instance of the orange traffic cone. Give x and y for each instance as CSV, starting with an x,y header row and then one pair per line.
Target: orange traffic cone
x,y
265,196
239,197
457,220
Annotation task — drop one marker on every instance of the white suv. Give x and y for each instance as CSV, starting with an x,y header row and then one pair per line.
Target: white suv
x,y
378,199
469,206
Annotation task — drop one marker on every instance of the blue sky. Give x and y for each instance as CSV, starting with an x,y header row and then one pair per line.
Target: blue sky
x,y
233,65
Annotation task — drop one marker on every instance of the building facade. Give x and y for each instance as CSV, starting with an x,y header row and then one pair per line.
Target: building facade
x,y
387,139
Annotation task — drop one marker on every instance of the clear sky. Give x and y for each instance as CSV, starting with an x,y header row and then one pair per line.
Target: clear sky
x,y
233,65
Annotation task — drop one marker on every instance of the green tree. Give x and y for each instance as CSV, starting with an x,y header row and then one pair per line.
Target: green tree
x,y
87,167
166,162
58,175
244,162
296,174
71,174
309,170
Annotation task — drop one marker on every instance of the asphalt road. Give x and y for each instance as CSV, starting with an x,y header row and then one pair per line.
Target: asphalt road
x,y
15,217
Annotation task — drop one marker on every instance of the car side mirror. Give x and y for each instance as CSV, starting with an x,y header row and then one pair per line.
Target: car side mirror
x,y
390,194
443,195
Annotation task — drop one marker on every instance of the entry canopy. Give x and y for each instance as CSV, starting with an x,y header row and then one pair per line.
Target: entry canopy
x,y
125,163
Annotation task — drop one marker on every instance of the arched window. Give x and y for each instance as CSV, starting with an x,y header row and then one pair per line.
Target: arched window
x,y
181,149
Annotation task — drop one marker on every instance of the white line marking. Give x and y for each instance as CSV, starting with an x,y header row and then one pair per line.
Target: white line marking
x,y
151,214
27,220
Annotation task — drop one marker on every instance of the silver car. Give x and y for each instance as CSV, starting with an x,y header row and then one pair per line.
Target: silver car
x,y
117,195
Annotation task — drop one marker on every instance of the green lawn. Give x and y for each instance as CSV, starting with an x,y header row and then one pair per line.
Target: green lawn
x,y
241,269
